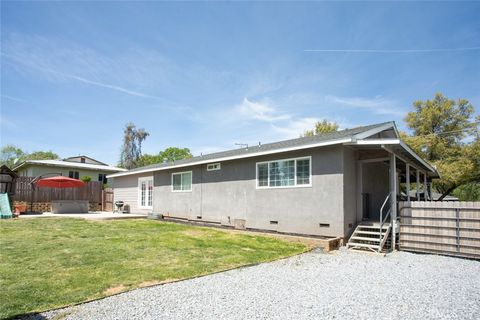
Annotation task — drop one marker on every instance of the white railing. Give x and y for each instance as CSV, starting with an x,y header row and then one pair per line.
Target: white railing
x,y
382,222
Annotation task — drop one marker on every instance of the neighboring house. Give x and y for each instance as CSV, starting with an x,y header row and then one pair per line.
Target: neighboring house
x,y
73,167
322,185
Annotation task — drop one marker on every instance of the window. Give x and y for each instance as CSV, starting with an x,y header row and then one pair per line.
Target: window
x,y
145,192
182,181
73,174
213,166
102,177
284,173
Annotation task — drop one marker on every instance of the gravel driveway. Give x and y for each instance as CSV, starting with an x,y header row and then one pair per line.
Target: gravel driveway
x,y
341,284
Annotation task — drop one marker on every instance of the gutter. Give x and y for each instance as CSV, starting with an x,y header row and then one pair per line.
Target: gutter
x,y
249,155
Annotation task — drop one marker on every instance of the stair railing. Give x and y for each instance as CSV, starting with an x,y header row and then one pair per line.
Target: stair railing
x,y
383,219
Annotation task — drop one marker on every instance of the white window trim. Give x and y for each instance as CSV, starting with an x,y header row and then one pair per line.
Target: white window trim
x,y
213,168
284,187
191,182
139,198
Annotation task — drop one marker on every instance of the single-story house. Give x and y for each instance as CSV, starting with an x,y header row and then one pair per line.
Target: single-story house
x,y
323,185
73,167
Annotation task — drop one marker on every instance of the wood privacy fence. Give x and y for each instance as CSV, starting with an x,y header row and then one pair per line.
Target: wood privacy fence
x,y
107,199
450,228
24,191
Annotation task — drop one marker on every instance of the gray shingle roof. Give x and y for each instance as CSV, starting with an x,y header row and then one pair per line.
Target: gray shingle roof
x,y
342,134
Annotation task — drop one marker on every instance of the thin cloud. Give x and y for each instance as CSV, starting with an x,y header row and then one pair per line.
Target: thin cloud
x,y
81,79
282,125
393,50
378,104
12,98
263,111
295,127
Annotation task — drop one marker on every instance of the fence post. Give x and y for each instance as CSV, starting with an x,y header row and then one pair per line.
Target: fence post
x,y
457,220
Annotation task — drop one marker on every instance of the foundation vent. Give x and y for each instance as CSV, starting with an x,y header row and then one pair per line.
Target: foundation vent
x,y
324,225
273,222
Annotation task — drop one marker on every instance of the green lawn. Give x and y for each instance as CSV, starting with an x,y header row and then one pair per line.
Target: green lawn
x,y
48,263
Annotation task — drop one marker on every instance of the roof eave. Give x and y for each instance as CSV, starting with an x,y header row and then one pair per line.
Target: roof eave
x,y
244,156
25,163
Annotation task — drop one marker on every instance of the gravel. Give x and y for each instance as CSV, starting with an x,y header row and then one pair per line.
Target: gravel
x,y
341,284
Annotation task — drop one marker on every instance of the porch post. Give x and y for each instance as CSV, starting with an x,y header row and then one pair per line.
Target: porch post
x,y
425,193
418,185
408,181
393,197
359,191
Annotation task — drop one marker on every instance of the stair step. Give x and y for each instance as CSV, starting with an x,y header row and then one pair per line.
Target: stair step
x,y
369,232
365,239
372,227
362,245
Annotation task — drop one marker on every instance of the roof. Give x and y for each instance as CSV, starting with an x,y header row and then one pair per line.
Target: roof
x,y
331,138
67,164
86,157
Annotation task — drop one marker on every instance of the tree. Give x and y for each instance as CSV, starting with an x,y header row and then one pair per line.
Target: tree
x,y
323,126
41,155
10,155
445,134
132,145
174,154
148,159
170,154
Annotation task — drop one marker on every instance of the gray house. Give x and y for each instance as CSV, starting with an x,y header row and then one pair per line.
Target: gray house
x,y
325,185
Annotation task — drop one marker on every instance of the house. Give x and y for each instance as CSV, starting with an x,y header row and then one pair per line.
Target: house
x,y
73,167
323,185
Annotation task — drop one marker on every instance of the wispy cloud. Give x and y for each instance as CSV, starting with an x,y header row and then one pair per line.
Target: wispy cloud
x,y
377,105
5,122
16,59
12,98
295,127
263,111
59,60
431,50
268,121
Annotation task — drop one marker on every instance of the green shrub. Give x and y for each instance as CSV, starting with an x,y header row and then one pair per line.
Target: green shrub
x,y
86,179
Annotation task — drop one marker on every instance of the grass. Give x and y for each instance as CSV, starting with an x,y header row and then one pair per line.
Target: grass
x,y
50,263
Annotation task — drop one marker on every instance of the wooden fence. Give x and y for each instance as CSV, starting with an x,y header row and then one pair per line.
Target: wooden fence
x,y
107,200
450,228
24,191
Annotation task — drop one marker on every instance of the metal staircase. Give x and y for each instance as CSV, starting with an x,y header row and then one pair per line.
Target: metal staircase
x,y
370,235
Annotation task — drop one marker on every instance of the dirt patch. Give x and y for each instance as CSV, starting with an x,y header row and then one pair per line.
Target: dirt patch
x,y
115,290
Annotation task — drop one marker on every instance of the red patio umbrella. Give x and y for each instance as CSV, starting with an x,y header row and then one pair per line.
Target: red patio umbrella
x,y
59,182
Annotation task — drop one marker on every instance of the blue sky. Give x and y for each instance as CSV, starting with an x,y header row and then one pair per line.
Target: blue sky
x,y
209,75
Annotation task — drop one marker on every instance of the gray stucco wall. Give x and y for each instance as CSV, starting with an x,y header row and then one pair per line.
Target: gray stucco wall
x,y
231,193
350,189
126,189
